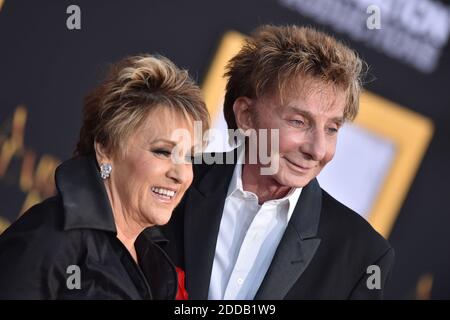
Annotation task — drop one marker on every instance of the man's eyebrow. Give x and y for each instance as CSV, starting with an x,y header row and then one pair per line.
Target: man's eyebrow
x,y
339,120
299,111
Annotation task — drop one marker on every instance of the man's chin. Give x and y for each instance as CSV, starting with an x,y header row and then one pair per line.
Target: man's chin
x,y
294,182
288,177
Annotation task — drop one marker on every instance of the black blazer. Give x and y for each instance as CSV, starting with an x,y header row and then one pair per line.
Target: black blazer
x,y
323,254
76,227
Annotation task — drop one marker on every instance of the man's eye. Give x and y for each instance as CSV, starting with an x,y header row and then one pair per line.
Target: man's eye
x,y
332,130
297,123
162,152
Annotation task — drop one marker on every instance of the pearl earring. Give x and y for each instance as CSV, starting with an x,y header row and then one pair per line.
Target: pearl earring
x,y
105,170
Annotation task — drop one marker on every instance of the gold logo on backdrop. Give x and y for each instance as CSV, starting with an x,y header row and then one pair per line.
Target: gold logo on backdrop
x,y
408,131
36,175
3,224
424,287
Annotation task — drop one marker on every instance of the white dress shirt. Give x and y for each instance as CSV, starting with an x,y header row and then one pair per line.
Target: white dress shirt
x,y
248,237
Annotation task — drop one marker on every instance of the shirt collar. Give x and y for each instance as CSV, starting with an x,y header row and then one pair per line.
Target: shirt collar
x,y
236,187
293,199
236,179
86,203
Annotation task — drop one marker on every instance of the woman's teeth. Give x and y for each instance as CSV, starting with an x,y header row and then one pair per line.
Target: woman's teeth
x,y
164,192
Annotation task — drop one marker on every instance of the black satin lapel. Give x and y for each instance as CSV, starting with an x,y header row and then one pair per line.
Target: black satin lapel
x,y
290,261
203,213
296,248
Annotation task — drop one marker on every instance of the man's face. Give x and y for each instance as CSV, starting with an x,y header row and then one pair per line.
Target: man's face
x,y
308,120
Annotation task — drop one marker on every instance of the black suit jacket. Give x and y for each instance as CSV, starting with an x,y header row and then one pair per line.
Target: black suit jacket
x,y
323,254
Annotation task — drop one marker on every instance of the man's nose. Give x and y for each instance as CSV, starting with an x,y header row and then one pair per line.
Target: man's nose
x,y
315,145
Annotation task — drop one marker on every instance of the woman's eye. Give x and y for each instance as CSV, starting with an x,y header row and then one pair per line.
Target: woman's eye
x,y
162,152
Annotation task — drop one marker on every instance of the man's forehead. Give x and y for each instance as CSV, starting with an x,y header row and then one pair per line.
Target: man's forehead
x,y
305,87
313,99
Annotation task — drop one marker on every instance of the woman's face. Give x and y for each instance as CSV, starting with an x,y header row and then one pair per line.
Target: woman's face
x,y
145,183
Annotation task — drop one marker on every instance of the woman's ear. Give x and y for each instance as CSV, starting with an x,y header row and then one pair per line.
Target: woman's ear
x,y
243,113
101,154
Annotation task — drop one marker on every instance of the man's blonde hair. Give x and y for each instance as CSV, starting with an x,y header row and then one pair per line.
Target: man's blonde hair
x,y
274,56
133,87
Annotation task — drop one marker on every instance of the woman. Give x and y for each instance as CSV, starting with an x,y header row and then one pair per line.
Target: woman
x,y
95,239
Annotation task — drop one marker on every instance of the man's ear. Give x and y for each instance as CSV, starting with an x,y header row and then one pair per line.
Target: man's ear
x,y
242,109
101,154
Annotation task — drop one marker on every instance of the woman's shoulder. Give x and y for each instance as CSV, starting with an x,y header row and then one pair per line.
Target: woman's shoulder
x,y
46,217
39,232
34,249
41,229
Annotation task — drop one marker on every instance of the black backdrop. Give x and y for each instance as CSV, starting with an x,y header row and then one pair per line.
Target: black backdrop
x,y
49,69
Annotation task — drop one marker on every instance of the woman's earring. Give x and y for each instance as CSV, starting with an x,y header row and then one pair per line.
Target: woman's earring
x,y
105,170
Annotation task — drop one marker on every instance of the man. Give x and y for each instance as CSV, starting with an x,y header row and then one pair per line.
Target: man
x,y
243,234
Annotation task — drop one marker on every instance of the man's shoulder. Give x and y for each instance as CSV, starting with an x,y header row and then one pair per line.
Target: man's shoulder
x,y
343,225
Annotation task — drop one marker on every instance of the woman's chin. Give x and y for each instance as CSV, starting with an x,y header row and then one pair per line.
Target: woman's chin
x,y
160,218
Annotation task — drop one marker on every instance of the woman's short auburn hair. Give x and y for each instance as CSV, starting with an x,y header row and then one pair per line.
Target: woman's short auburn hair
x,y
133,87
274,56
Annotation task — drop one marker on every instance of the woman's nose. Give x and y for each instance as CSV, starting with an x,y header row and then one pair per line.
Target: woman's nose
x,y
180,173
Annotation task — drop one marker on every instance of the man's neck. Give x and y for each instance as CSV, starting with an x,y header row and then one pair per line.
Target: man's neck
x,y
264,186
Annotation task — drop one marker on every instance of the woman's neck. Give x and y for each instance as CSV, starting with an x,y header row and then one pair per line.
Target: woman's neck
x,y
127,241
127,225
